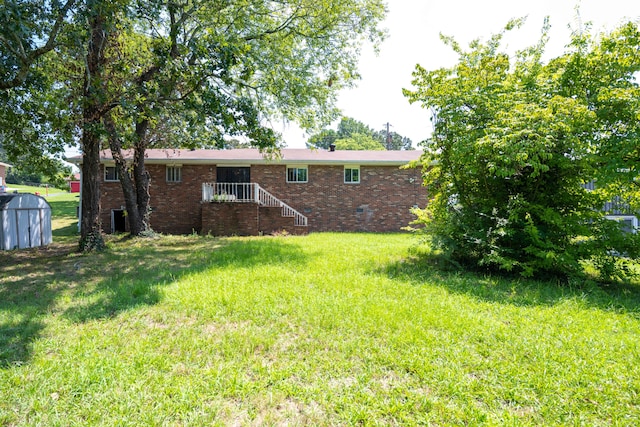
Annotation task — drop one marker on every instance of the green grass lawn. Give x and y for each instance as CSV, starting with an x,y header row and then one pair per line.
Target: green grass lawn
x,y
325,329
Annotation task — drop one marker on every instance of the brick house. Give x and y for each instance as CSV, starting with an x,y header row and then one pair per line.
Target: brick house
x,y
226,192
3,176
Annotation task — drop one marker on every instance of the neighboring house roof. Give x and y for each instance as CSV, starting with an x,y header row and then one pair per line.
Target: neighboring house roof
x,y
6,165
287,156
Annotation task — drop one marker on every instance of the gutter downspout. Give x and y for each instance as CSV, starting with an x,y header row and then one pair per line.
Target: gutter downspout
x,y
80,204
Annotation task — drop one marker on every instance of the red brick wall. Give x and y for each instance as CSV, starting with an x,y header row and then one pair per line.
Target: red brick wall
x,y
380,202
245,219
175,207
271,221
3,175
110,198
225,219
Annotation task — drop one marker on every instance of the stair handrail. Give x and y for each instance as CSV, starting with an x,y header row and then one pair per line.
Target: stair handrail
x,y
264,198
228,192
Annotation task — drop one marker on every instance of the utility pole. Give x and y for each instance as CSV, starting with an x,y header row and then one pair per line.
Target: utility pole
x,y
388,137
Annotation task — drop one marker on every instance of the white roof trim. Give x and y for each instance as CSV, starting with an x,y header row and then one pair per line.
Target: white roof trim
x,y
248,157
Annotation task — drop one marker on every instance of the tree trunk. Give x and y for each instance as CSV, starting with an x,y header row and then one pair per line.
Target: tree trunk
x,y
136,225
134,188
90,226
141,175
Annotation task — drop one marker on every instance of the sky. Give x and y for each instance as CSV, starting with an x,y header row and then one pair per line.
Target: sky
x,y
413,38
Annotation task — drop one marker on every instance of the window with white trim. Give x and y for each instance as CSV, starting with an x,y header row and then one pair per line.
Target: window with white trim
x,y
297,174
174,173
352,174
111,173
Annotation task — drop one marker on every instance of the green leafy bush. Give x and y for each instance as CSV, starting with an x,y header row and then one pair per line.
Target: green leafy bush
x,y
514,143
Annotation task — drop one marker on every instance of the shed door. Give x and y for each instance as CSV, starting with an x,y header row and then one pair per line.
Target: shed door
x,y
29,228
22,228
35,228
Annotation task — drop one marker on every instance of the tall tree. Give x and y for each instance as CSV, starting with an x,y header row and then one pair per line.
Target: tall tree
x,y
393,140
515,142
100,16
323,139
53,92
358,141
349,127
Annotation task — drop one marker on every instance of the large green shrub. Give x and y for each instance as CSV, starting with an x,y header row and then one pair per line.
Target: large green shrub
x,y
515,140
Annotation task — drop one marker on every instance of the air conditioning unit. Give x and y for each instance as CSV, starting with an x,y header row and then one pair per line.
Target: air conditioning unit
x,y
630,222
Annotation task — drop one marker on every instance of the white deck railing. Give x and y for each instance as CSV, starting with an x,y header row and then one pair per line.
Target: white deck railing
x,y
228,192
248,193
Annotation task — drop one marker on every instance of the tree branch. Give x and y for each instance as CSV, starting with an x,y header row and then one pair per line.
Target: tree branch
x,y
50,44
27,59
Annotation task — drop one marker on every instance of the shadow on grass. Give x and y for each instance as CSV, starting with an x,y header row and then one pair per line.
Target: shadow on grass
x,y
134,278
421,269
30,282
40,283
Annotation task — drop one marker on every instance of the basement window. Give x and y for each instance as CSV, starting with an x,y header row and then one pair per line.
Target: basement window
x,y
174,173
297,174
111,174
352,175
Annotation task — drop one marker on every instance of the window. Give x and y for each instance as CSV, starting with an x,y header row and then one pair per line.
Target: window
x,y
352,175
111,173
297,174
174,174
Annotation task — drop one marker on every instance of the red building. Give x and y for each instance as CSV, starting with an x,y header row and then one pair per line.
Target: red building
x,y
74,184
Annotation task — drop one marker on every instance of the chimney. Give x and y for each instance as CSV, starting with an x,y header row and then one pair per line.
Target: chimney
x,y
332,147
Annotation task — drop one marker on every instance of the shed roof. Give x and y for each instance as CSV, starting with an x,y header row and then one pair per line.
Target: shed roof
x,y
22,201
253,156
6,165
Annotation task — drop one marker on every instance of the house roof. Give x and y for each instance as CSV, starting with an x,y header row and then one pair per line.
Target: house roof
x,y
6,165
251,156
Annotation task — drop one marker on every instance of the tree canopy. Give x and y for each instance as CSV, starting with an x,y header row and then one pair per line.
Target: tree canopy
x,y
32,125
355,135
30,29
515,143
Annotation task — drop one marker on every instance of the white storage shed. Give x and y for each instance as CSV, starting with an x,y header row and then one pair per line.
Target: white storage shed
x,y
25,221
